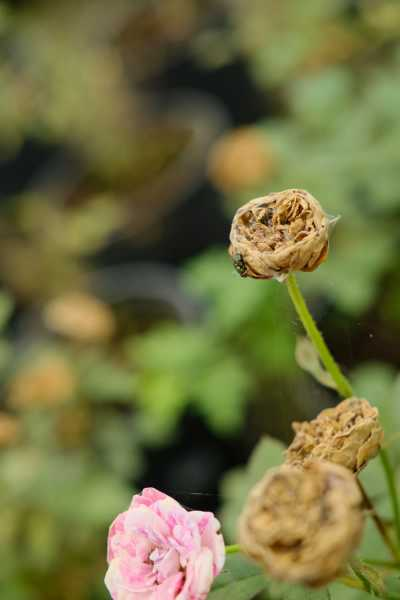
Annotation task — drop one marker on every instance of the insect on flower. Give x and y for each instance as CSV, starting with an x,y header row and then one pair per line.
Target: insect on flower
x,y
239,264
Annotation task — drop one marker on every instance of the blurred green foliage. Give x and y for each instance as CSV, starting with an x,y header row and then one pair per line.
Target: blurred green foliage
x,y
215,365
85,396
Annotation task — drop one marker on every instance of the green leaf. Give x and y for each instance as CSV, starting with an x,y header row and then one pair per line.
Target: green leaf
x,y
232,301
393,586
379,384
173,348
287,591
308,359
370,576
221,394
240,590
240,579
162,398
105,381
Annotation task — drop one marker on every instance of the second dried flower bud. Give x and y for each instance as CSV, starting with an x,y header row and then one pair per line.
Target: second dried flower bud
x,y
348,434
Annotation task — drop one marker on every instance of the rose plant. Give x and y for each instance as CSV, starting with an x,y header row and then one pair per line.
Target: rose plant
x,y
303,520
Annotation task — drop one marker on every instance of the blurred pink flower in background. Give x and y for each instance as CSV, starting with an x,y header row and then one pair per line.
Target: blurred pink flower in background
x,y
157,550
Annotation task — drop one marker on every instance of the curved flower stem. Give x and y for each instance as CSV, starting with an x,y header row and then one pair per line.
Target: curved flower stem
x,y
342,383
390,478
344,388
232,549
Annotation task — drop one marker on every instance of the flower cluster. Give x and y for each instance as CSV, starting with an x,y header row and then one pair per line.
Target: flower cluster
x,y
303,520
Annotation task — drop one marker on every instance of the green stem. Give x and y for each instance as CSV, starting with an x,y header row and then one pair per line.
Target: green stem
x,y
342,384
391,482
385,564
232,549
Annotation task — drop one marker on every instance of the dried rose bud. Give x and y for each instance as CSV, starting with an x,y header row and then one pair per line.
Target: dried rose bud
x,y
302,525
348,434
278,234
240,159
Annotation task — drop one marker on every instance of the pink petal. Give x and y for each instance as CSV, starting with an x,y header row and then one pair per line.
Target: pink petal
x,y
169,589
145,521
116,530
168,565
199,577
147,497
215,542
120,587
211,537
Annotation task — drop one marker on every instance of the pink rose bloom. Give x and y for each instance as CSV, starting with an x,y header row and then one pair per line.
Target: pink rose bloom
x,y
157,550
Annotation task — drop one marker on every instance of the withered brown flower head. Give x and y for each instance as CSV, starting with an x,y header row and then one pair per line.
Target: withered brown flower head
x,y
302,525
277,234
348,434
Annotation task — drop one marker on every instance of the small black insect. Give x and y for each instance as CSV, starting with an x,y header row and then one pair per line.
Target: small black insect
x,y
239,265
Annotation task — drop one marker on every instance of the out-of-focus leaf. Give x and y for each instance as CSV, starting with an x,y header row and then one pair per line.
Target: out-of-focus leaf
x,y
104,381
240,579
221,394
230,300
350,275
393,586
372,579
172,348
308,359
245,589
286,591
117,445
379,384
162,397
238,482
182,366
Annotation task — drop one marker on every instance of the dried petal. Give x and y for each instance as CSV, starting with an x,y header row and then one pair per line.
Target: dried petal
x,y
278,234
302,525
348,434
